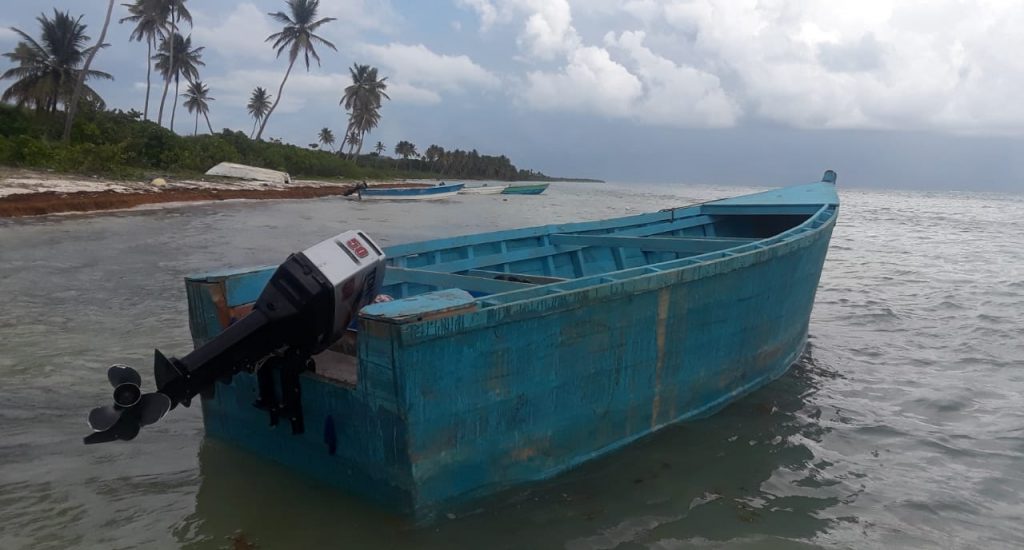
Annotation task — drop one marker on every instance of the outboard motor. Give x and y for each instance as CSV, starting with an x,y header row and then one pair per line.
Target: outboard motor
x,y
309,302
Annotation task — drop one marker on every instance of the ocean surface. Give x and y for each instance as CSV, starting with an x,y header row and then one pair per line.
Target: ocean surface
x,y
902,425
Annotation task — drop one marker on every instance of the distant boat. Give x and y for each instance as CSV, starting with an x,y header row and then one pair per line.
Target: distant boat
x,y
484,189
409,193
241,171
509,357
531,189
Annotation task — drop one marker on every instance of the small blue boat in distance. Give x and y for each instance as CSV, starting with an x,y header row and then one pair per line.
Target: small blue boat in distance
x,y
435,192
509,357
529,189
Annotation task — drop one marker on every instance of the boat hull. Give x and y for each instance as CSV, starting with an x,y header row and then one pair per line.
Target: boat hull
x,y
484,190
455,401
525,189
410,193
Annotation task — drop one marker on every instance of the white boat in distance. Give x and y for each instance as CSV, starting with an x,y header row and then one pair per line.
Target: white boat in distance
x,y
409,193
484,189
241,171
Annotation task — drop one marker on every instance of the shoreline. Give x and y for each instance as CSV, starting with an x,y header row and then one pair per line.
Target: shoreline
x,y
52,202
27,193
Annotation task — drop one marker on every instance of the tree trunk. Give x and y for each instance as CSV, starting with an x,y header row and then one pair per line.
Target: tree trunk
x,y
70,118
170,50
208,125
160,117
174,107
348,132
196,131
253,132
276,99
360,148
149,70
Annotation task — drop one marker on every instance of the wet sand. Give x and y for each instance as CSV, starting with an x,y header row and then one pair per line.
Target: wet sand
x,y
34,194
52,202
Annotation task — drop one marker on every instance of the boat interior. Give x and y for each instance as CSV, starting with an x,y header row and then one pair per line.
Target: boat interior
x,y
502,267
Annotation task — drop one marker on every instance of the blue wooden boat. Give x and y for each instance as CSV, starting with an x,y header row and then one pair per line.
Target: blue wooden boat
x,y
509,357
410,193
531,189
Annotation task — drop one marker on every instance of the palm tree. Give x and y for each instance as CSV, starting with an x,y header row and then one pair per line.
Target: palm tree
x,y
297,37
326,137
405,150
379,148
69,119
45,72
433,153
149,17
197,98
362,120
362,99
175,62
171,11
259,106
353,138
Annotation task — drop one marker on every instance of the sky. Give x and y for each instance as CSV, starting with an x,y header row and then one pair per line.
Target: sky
x,y
891,94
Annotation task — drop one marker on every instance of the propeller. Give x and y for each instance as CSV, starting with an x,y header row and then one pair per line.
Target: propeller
x,y
131,410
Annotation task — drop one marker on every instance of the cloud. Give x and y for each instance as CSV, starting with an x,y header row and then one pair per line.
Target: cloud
x,y
360,15
408,93
242,34
946,65
416,66
652,89
487,12
675,94
940,65
548,30
6,34
590,81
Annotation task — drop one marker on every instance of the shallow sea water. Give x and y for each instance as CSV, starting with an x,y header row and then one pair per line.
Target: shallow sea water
x,y
902,425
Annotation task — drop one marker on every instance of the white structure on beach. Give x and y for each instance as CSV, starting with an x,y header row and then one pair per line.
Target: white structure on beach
x,y
241,171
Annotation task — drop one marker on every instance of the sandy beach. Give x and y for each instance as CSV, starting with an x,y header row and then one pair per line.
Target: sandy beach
x,y
34,193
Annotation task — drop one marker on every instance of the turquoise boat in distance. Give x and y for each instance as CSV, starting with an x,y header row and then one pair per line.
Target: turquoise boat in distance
x,y
509,357
532,189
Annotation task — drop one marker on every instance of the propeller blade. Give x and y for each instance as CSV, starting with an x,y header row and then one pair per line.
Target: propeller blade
x,y
100,437
152,407
123,374
125,430
104,418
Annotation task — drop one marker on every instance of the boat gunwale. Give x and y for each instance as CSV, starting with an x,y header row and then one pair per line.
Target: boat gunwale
x,y
546,302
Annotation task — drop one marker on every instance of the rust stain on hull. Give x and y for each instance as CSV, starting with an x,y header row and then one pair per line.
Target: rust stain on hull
x,y
664,297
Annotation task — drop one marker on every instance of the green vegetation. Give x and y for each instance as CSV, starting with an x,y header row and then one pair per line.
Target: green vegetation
x,y
122,145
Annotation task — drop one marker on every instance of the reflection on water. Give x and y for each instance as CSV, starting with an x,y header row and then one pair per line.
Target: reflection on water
x,y
901,426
